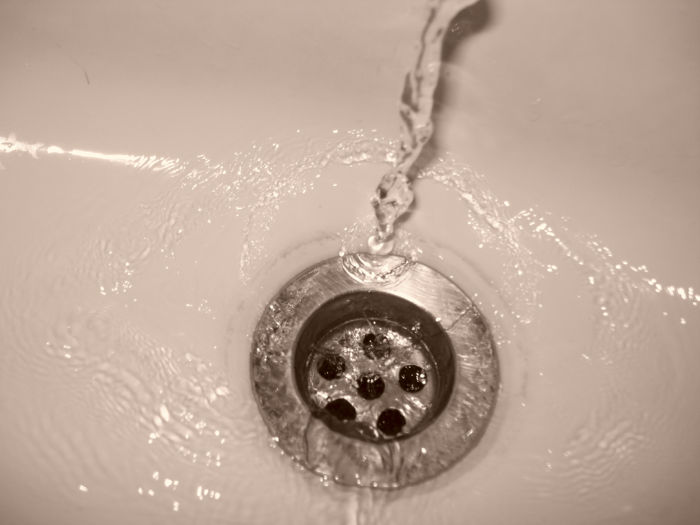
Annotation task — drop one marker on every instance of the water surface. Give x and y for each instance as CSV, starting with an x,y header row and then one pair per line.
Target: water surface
x,y
134,281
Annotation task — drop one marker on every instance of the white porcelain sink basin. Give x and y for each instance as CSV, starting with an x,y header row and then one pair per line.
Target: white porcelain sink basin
x,y
165,167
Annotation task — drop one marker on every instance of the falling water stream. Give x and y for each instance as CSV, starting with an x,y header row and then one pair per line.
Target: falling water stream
x,y
126,326
394,193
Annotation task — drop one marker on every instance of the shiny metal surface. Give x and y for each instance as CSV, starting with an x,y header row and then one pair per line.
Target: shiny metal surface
x,y
444,421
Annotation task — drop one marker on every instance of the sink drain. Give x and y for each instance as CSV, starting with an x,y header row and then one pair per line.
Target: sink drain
x,y
374,370
373,365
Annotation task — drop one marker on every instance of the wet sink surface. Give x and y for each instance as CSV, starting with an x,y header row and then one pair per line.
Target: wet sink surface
x,y
165,170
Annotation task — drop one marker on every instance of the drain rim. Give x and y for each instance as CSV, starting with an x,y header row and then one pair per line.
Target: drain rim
x,y
348,460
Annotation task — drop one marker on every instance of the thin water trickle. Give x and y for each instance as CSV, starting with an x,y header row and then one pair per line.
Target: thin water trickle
x,y
394,194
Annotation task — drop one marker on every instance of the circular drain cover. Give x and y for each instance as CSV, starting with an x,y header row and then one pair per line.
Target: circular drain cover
x,y
374,370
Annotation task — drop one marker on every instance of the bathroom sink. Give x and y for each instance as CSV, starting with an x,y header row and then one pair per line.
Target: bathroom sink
x,y
166,167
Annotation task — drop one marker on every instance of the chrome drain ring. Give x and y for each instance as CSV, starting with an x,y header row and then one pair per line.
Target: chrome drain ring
x,y
374,371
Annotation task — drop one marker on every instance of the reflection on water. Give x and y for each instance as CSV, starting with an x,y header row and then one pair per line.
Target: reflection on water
x,y
124,323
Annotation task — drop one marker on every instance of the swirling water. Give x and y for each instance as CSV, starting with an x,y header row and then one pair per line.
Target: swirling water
x,y
133,284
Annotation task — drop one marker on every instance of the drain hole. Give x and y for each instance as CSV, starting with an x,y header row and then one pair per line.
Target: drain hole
x,y
391,421
412,378
369,340
341,409
370,386
376,346
331,366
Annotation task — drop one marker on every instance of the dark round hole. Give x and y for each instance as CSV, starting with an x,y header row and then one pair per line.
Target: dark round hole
x,y
412,378
376,346
391,421
331,366
341,409
370,386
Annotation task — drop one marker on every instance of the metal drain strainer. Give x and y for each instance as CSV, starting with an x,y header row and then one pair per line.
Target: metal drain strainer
x,y
374,370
